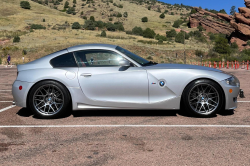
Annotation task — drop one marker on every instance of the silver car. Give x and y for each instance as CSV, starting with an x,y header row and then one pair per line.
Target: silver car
x,y
101,76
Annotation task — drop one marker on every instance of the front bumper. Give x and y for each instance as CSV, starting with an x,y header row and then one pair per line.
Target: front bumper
x,y
231,94
20,96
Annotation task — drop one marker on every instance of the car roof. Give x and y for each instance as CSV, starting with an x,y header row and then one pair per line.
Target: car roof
x,y
91,46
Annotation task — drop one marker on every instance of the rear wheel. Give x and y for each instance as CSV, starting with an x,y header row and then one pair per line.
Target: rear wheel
x,y
49,99
203,98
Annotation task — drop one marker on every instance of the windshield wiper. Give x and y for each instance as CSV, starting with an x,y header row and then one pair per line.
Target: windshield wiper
x,y
150,63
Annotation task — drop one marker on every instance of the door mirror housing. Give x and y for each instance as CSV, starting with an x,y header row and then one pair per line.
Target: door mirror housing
x,y
124,62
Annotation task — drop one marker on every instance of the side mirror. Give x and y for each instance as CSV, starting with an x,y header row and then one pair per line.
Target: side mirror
x,y
124,62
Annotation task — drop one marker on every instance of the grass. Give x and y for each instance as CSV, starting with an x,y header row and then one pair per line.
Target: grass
x,y
59,35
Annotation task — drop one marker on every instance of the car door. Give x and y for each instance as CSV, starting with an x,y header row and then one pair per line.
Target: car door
x,y
105,83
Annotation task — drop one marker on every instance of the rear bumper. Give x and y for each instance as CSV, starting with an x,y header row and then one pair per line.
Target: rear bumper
x,y
20,96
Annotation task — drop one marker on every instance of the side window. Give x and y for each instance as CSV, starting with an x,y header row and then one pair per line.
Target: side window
x,y
97,58
65,60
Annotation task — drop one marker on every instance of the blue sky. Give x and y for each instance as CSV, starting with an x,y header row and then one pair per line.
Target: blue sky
x,y
210,4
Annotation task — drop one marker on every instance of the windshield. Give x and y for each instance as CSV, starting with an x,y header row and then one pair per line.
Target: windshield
x,y
138,59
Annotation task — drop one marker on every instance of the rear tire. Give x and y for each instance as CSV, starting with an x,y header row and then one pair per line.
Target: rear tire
x,y
203,98
49,99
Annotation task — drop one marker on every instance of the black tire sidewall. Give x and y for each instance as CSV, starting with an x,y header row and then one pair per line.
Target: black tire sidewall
x,y
202,81
63,109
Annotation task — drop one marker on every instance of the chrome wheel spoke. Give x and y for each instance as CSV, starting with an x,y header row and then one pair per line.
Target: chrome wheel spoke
x,y
49,103
204,98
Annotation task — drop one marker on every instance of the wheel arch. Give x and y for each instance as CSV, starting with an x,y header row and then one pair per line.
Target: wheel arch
x,y
27,99
205,78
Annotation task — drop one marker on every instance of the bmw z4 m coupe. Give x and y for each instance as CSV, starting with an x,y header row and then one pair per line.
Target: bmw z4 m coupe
x,y
102,76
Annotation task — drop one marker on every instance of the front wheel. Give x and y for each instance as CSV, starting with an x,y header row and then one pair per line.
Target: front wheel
x,y
203,98
49,99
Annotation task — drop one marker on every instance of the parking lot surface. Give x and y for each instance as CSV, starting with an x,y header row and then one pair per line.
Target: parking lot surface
x,y
123,137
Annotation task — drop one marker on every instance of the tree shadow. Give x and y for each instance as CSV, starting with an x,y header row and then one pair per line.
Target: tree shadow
x,y
121,112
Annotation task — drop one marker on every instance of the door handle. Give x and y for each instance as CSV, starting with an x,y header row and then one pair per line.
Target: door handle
x,y
86,74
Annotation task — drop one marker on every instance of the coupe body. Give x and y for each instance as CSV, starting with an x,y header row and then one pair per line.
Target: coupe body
x,y
101,76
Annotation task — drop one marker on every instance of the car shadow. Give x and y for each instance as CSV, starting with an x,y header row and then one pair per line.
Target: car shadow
x,y
114,113
24,112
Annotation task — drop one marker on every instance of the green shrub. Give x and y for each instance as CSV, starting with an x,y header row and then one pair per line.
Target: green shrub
x,y
120,6
119,26
110,19
16,39
162,15
177,23
248,42
148,33
129,32
221,45
160,41
92,18
0,60
149,58
99,24
179,38
193,11
84,17
119,15
137,31
81,12
166,11
211,36
25,4
125,14
234,45
111,27
24,52
172,13
149,7
74,1
89,25
144,19
66,5
71,10
199,53
103,34
76,25
44,20
171,33
200,28
37,26
160,37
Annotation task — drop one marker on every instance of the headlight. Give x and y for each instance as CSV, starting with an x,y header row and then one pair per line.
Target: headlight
x,y
233,81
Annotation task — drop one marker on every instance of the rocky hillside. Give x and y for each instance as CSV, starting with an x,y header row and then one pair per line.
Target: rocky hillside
x,y
236,27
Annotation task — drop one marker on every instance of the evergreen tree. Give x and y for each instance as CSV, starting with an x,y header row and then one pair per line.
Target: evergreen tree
x,y
232,10
221,45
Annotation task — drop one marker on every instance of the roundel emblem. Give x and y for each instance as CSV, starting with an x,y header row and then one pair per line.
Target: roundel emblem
x,y
162,83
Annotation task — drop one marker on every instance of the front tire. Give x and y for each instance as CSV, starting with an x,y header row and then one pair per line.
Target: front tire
x,y
49,99
203,98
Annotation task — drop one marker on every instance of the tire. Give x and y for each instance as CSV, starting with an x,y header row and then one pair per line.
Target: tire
x,y
203,98
49,100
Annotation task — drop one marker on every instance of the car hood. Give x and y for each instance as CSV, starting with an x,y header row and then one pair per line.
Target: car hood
x,y
180,66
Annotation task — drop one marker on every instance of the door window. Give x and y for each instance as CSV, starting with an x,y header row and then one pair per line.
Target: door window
x,y
97,58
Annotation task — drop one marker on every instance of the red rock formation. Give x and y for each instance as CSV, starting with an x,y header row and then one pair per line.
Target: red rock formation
x,y
238,28
225,16
247,3
244,11
194,22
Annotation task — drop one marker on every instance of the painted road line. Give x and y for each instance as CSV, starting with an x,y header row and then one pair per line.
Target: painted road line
x,y
130,126
6,101
243,101
5,90
4,109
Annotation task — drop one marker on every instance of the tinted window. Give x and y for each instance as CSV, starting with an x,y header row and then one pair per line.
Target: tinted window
x,y
65,60
97,58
